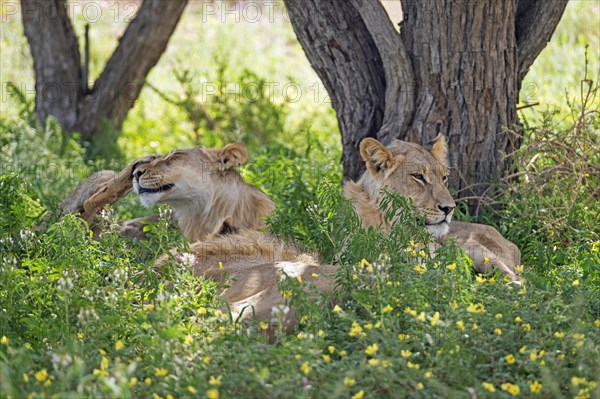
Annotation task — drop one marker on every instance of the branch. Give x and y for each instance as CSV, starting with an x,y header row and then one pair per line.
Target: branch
x,y
138,51
356,51
399,77
535,23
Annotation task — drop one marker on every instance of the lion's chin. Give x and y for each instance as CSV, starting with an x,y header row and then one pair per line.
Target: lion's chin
x,y
438,230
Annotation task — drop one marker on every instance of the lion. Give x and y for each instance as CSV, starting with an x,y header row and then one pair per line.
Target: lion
x,y
222,213
203,188
411,171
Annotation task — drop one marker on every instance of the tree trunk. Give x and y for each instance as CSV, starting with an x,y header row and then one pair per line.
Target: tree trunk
x,y
61,91
455,68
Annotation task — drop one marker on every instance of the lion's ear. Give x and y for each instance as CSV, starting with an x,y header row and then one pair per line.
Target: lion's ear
x,y
440,150
233,155
377,157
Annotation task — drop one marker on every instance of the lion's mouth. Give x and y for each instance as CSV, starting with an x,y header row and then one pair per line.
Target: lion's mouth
x,y
143,190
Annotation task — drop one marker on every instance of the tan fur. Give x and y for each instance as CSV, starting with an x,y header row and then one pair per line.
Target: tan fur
x,y
102,188
202,188
399,168
250,263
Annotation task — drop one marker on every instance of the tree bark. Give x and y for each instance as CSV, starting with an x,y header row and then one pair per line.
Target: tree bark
x,y
60,90
455,68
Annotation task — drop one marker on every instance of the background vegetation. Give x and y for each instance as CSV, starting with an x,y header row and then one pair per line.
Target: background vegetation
x,y
80,317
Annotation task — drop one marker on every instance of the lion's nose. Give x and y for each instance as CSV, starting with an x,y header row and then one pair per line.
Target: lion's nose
x,y
446,209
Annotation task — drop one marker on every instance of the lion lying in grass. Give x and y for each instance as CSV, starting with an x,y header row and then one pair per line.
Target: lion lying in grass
x,y
216,208
410,170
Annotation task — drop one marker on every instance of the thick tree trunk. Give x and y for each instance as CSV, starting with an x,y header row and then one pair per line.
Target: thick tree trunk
x,y
60,89
455,68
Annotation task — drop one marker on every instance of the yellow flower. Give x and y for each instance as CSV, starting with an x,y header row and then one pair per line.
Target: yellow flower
x,y
207,359
119,345
510,359
48,382
498,316
331,348
337,309
578,380
25,378
412,365
80,336
160,372
576,283
461,325
386,364
300,336
326,358
343,353
533,356
212,394
451,266
597,322
192,390
498,331
518,319
527,327
519,269
355,277
488,387
148,381
405,353
104,363
474,327
420,269
359,394
189,340
156,396
41,375
373,362
476,308
133,381
202,311
148,307
427,374
409,311
403,337
299,278
387,309
372,349
514,390
315,275
523,349
214,380
421,316
486,260
305,368
102,352
4,340
479,279
535,386
298,356
368,326
435,319
453,305
349,382
420,386
286,294
422,254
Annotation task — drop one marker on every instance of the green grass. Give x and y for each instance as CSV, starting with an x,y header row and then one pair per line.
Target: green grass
x,y
83,318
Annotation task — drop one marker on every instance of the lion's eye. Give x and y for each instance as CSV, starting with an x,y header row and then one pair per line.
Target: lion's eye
x,y
419,177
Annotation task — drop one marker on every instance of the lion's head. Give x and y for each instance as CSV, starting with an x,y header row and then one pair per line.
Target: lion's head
x,y
410,170
203,188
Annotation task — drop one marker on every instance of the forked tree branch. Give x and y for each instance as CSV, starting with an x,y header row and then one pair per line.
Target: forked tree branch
x,y
535,23
138,51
